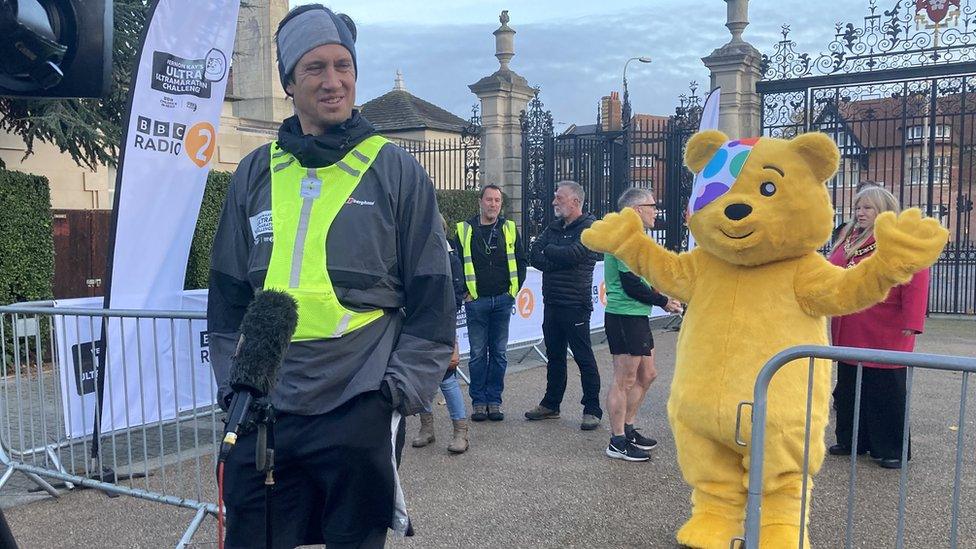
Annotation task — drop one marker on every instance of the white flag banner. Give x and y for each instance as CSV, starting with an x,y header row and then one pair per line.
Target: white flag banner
x,y
174,114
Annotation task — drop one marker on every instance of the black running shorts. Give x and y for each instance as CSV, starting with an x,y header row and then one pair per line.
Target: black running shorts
x,y
335,478
628,334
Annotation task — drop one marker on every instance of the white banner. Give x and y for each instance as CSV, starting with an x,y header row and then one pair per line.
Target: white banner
x,y
175,377
526,324
168,380
170,140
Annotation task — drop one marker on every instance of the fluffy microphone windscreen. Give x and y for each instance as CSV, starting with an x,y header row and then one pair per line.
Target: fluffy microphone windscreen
x,y
266,330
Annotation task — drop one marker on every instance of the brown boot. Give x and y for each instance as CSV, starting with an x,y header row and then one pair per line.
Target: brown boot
x,y
459,444
426,434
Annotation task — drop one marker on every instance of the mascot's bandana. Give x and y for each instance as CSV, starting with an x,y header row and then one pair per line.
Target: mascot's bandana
x,y
720,173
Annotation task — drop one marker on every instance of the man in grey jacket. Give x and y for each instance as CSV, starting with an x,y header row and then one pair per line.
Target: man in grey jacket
x,y
376,324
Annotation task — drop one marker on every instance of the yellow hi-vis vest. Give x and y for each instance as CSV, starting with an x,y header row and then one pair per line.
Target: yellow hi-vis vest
x,y
304,203
464,232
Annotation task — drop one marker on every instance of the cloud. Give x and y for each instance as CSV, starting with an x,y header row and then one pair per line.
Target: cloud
x,y
579,58
574,62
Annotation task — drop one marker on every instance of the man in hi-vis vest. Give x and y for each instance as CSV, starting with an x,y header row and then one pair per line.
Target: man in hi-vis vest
x,y
346,223
494,270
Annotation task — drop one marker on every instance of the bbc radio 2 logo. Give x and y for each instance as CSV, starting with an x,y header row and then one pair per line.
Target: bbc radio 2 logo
x,y
197,142
600,293
525,303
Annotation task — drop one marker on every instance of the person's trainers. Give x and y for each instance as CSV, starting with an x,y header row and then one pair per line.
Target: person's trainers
x,y
621,448
541,412
590,422
479,413
495,412
639,440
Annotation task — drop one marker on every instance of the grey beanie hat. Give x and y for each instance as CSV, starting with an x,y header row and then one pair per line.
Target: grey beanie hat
x,y
307,27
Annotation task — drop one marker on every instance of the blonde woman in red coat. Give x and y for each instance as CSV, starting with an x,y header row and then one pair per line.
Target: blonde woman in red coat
x,y
891,324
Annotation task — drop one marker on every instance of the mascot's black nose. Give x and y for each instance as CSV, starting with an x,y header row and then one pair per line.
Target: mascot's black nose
x,y
736,212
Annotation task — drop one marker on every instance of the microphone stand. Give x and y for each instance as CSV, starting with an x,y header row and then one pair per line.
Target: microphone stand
x,y
264,461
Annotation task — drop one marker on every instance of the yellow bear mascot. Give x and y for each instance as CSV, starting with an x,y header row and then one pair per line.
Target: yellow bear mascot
x,y
756,285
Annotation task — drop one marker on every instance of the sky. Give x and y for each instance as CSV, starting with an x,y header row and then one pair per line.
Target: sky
x,y
573,50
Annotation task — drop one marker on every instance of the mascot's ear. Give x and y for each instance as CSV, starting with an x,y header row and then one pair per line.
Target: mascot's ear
x,y
701,148
820,153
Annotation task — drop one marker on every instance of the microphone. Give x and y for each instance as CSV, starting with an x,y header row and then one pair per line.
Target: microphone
x,y
266,331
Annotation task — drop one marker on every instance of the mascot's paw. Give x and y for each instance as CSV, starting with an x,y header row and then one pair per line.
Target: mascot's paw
x,y
610,233
776,536
908,243
707,531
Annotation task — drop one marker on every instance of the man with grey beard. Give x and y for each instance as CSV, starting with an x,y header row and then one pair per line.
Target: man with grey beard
x,y
567,294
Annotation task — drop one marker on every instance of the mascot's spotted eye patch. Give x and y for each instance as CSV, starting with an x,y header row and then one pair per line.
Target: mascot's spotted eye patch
x,y
720,173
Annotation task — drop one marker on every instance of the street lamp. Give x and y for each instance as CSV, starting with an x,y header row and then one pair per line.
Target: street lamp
x,y
625,125
626,108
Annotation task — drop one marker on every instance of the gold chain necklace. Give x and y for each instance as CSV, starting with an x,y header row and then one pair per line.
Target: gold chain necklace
x,y
863,251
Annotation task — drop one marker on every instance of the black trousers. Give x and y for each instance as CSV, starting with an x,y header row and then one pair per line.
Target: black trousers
x,y
881,425
6,536
335,479
562,327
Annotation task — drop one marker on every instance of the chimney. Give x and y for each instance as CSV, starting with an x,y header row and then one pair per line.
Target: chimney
x,y
610,112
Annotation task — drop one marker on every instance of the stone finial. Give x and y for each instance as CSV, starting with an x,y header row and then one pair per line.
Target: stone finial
x,y
504,42
398,82
737,18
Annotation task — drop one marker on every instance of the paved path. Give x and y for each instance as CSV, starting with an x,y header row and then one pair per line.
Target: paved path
x,y
548,484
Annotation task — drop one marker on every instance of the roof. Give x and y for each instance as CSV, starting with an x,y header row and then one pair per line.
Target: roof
x,y
401,110
587,129
641,122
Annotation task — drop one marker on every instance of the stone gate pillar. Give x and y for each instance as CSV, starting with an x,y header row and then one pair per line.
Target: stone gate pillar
x,y
256,83
503,94
735,67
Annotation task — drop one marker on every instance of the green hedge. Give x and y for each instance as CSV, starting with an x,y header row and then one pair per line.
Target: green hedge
x,y
454,205
26,241
460,205
198,266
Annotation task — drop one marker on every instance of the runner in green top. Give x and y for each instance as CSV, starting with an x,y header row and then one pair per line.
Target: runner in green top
x,y
628,328
619,301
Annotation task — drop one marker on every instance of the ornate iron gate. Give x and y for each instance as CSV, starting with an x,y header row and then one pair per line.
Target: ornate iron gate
x,y
537,168
647,153
898,95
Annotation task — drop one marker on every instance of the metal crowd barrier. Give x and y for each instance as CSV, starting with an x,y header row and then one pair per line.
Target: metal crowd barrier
x,y
46,352
49,391
857,356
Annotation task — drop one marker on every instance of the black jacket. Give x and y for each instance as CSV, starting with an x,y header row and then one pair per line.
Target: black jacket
x,y
386,250
566,264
